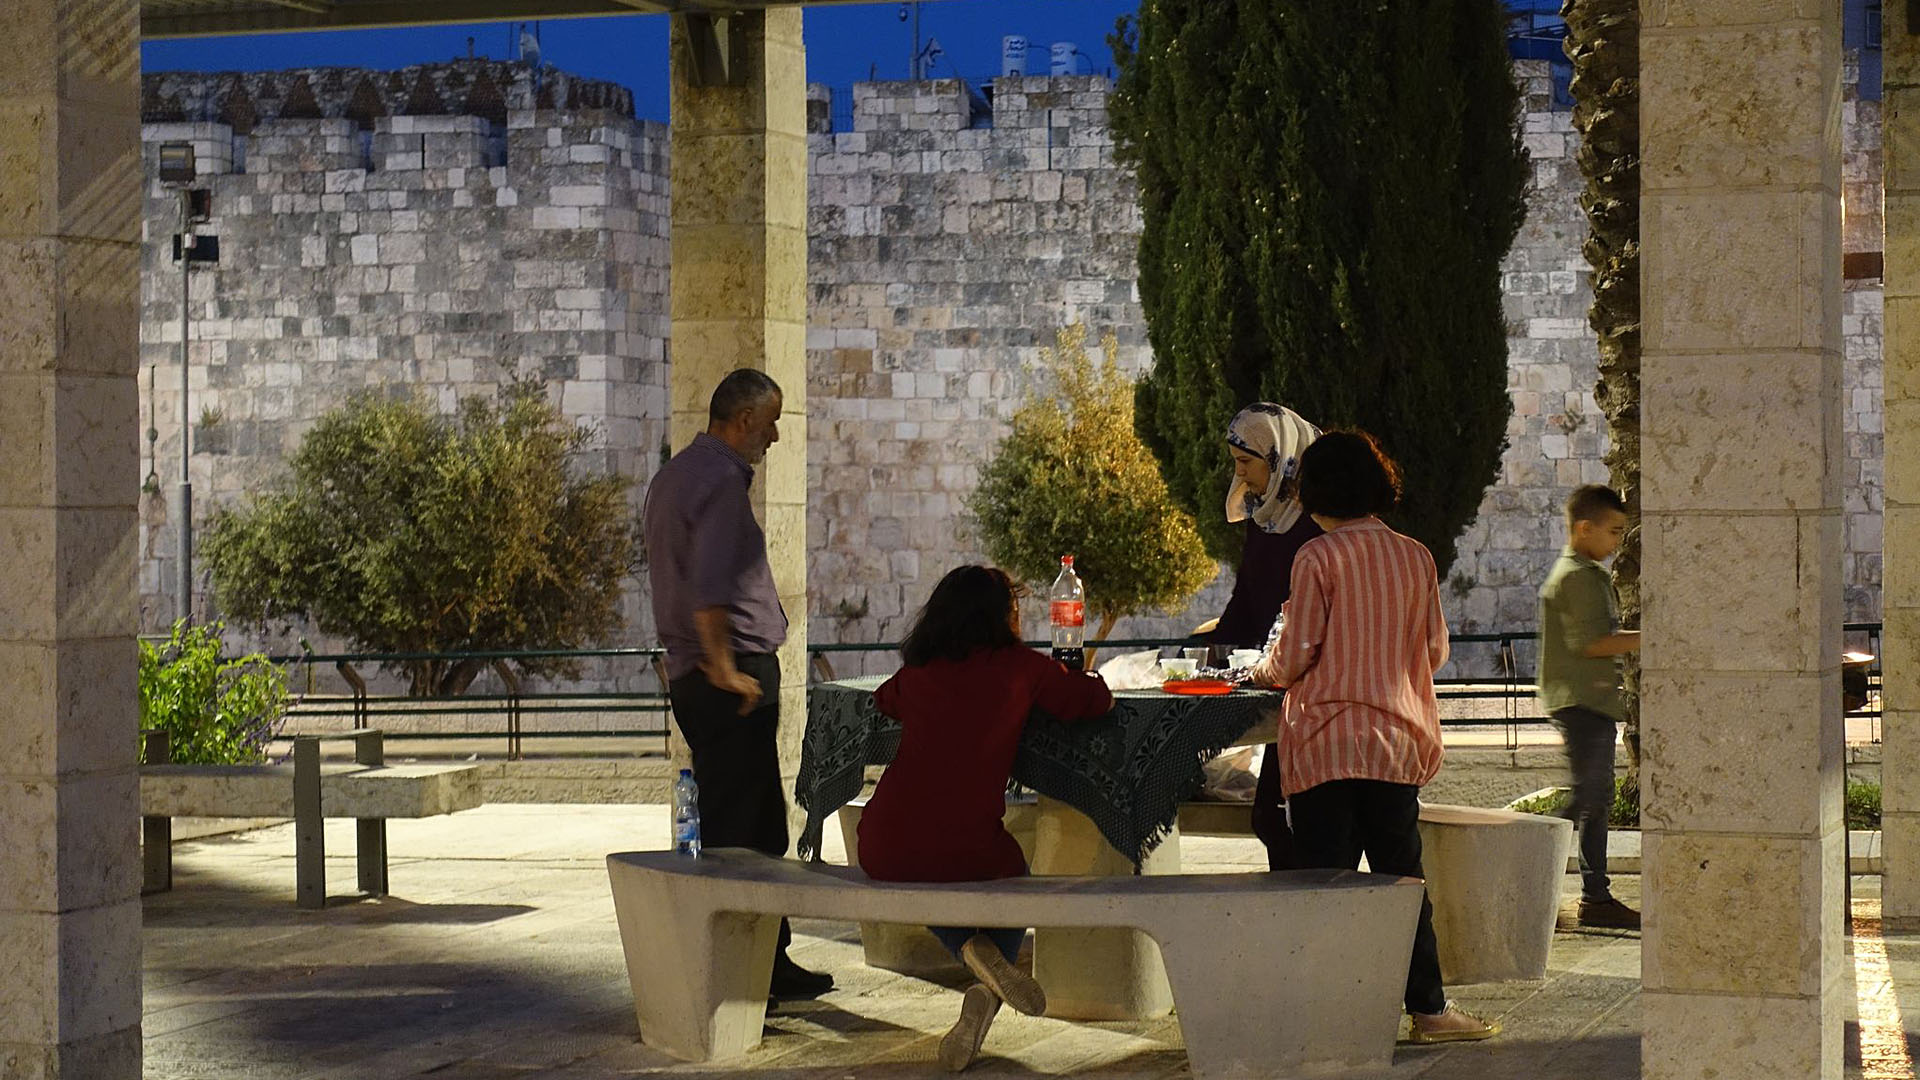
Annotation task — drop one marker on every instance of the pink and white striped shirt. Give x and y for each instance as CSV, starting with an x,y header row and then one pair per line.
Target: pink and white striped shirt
x,y
1363,638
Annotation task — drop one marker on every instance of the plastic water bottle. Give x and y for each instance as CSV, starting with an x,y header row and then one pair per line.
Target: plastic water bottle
x,y
1279,627
1067,610
686,815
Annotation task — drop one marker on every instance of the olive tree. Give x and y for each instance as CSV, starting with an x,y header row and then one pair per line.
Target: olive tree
x,y
404,530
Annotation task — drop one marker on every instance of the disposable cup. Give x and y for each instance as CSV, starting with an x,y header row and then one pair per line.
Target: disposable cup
x,y
1178,668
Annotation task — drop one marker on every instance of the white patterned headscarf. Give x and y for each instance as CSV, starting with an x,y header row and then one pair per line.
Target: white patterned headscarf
x,y
1279,435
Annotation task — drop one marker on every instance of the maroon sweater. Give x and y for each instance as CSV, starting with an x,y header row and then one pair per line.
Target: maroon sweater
x,y
936,814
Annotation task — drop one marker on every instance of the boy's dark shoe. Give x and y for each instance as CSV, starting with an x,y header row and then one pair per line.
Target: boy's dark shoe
x,y
1608,914
791,982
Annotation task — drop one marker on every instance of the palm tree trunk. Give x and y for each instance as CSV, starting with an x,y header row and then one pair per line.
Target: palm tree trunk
x,y
1603,41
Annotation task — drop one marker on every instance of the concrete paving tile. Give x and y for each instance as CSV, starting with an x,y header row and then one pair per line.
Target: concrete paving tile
x,y
500,958
193,1065
1081,1048
165,1020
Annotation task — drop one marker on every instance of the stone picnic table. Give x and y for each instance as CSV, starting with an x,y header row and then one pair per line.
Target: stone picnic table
x,y
1127,771
1110,792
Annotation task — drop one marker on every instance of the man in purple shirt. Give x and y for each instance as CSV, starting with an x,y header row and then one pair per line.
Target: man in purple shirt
x,y
720,619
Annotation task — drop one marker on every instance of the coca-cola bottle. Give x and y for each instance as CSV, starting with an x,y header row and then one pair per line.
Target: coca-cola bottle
x,y
1067,610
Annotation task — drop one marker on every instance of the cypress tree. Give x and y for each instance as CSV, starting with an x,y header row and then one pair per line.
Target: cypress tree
x,y
1327,192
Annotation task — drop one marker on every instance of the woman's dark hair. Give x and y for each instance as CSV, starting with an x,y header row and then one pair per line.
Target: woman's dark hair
x,y
1345,474
972,608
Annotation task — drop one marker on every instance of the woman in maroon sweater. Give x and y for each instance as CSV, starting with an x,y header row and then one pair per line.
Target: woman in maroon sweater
x,y
962,700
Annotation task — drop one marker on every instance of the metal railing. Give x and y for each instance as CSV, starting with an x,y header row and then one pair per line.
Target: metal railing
x,y
1502,680
1495,667
513,706
1491,668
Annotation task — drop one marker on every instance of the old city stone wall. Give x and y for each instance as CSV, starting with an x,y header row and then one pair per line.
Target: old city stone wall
x,y
369,247
948,247
440,254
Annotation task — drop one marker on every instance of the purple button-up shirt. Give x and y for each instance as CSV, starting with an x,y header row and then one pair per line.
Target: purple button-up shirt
x,y
705,550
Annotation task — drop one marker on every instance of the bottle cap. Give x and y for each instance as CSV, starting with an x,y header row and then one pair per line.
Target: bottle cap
x,y
1066,560
686,772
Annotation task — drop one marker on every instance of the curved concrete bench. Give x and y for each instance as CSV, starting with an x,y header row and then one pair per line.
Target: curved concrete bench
x,y
1494,877
1273,974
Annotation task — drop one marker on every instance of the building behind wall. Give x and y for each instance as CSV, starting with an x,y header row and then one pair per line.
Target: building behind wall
x,y
435,229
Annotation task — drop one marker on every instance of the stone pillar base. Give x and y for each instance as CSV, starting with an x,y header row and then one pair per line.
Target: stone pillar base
x,y
114,1054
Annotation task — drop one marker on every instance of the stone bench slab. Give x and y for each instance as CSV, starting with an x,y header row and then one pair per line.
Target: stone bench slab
x,y
346,790
309,791
1272,974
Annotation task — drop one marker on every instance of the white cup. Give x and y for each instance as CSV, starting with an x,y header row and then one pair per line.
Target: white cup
x,y
1178,667
1243,658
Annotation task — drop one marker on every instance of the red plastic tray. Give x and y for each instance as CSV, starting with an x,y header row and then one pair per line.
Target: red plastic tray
x,y
1198,686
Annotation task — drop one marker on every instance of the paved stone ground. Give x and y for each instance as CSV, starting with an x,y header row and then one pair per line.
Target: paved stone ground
x,y
498,958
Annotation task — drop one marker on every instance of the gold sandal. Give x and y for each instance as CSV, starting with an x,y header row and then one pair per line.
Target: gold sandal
x,y
1486,1029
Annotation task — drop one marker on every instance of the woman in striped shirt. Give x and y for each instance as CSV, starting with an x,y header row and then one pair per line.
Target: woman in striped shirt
x,y
1360,729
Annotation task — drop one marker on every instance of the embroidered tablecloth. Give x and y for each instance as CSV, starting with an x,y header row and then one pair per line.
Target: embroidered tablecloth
x,y
1128,771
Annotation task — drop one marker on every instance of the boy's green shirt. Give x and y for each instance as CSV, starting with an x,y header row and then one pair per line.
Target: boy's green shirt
x,y
1577,608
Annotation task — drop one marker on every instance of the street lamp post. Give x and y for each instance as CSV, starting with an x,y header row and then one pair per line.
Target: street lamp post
x,y
178,170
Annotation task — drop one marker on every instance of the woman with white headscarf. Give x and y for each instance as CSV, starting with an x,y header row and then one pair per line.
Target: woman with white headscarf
x,y
1266,441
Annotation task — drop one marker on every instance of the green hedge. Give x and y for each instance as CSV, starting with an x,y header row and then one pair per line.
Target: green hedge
x,y
1863,805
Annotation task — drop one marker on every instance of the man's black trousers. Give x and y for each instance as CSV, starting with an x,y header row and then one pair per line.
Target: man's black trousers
x,y
736,760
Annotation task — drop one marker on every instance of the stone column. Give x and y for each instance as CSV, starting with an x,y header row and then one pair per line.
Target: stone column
x,y
738,170
69,290
1900,583
1742,841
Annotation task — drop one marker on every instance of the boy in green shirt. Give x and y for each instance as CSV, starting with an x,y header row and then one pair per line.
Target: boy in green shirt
x,y
1580,643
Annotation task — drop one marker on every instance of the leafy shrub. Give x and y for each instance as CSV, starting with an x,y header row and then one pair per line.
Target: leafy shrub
x,y
1863,805
1073,478
215,710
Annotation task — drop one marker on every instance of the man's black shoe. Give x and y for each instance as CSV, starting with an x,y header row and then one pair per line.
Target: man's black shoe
x,y
791,982
1608,914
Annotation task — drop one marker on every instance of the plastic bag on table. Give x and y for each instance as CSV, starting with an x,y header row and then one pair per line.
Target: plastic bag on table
x,y
1132,671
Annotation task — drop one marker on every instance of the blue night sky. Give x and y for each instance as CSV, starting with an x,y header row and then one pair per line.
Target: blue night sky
x,y
845,44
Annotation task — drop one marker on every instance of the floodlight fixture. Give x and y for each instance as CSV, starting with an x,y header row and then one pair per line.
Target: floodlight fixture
x,y
716,47
176,163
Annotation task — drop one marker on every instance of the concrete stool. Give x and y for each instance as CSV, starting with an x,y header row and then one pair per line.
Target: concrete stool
x,y
1097,973
1494,878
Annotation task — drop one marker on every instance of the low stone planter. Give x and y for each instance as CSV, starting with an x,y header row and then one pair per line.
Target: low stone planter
x,y
1623,846
1494,877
